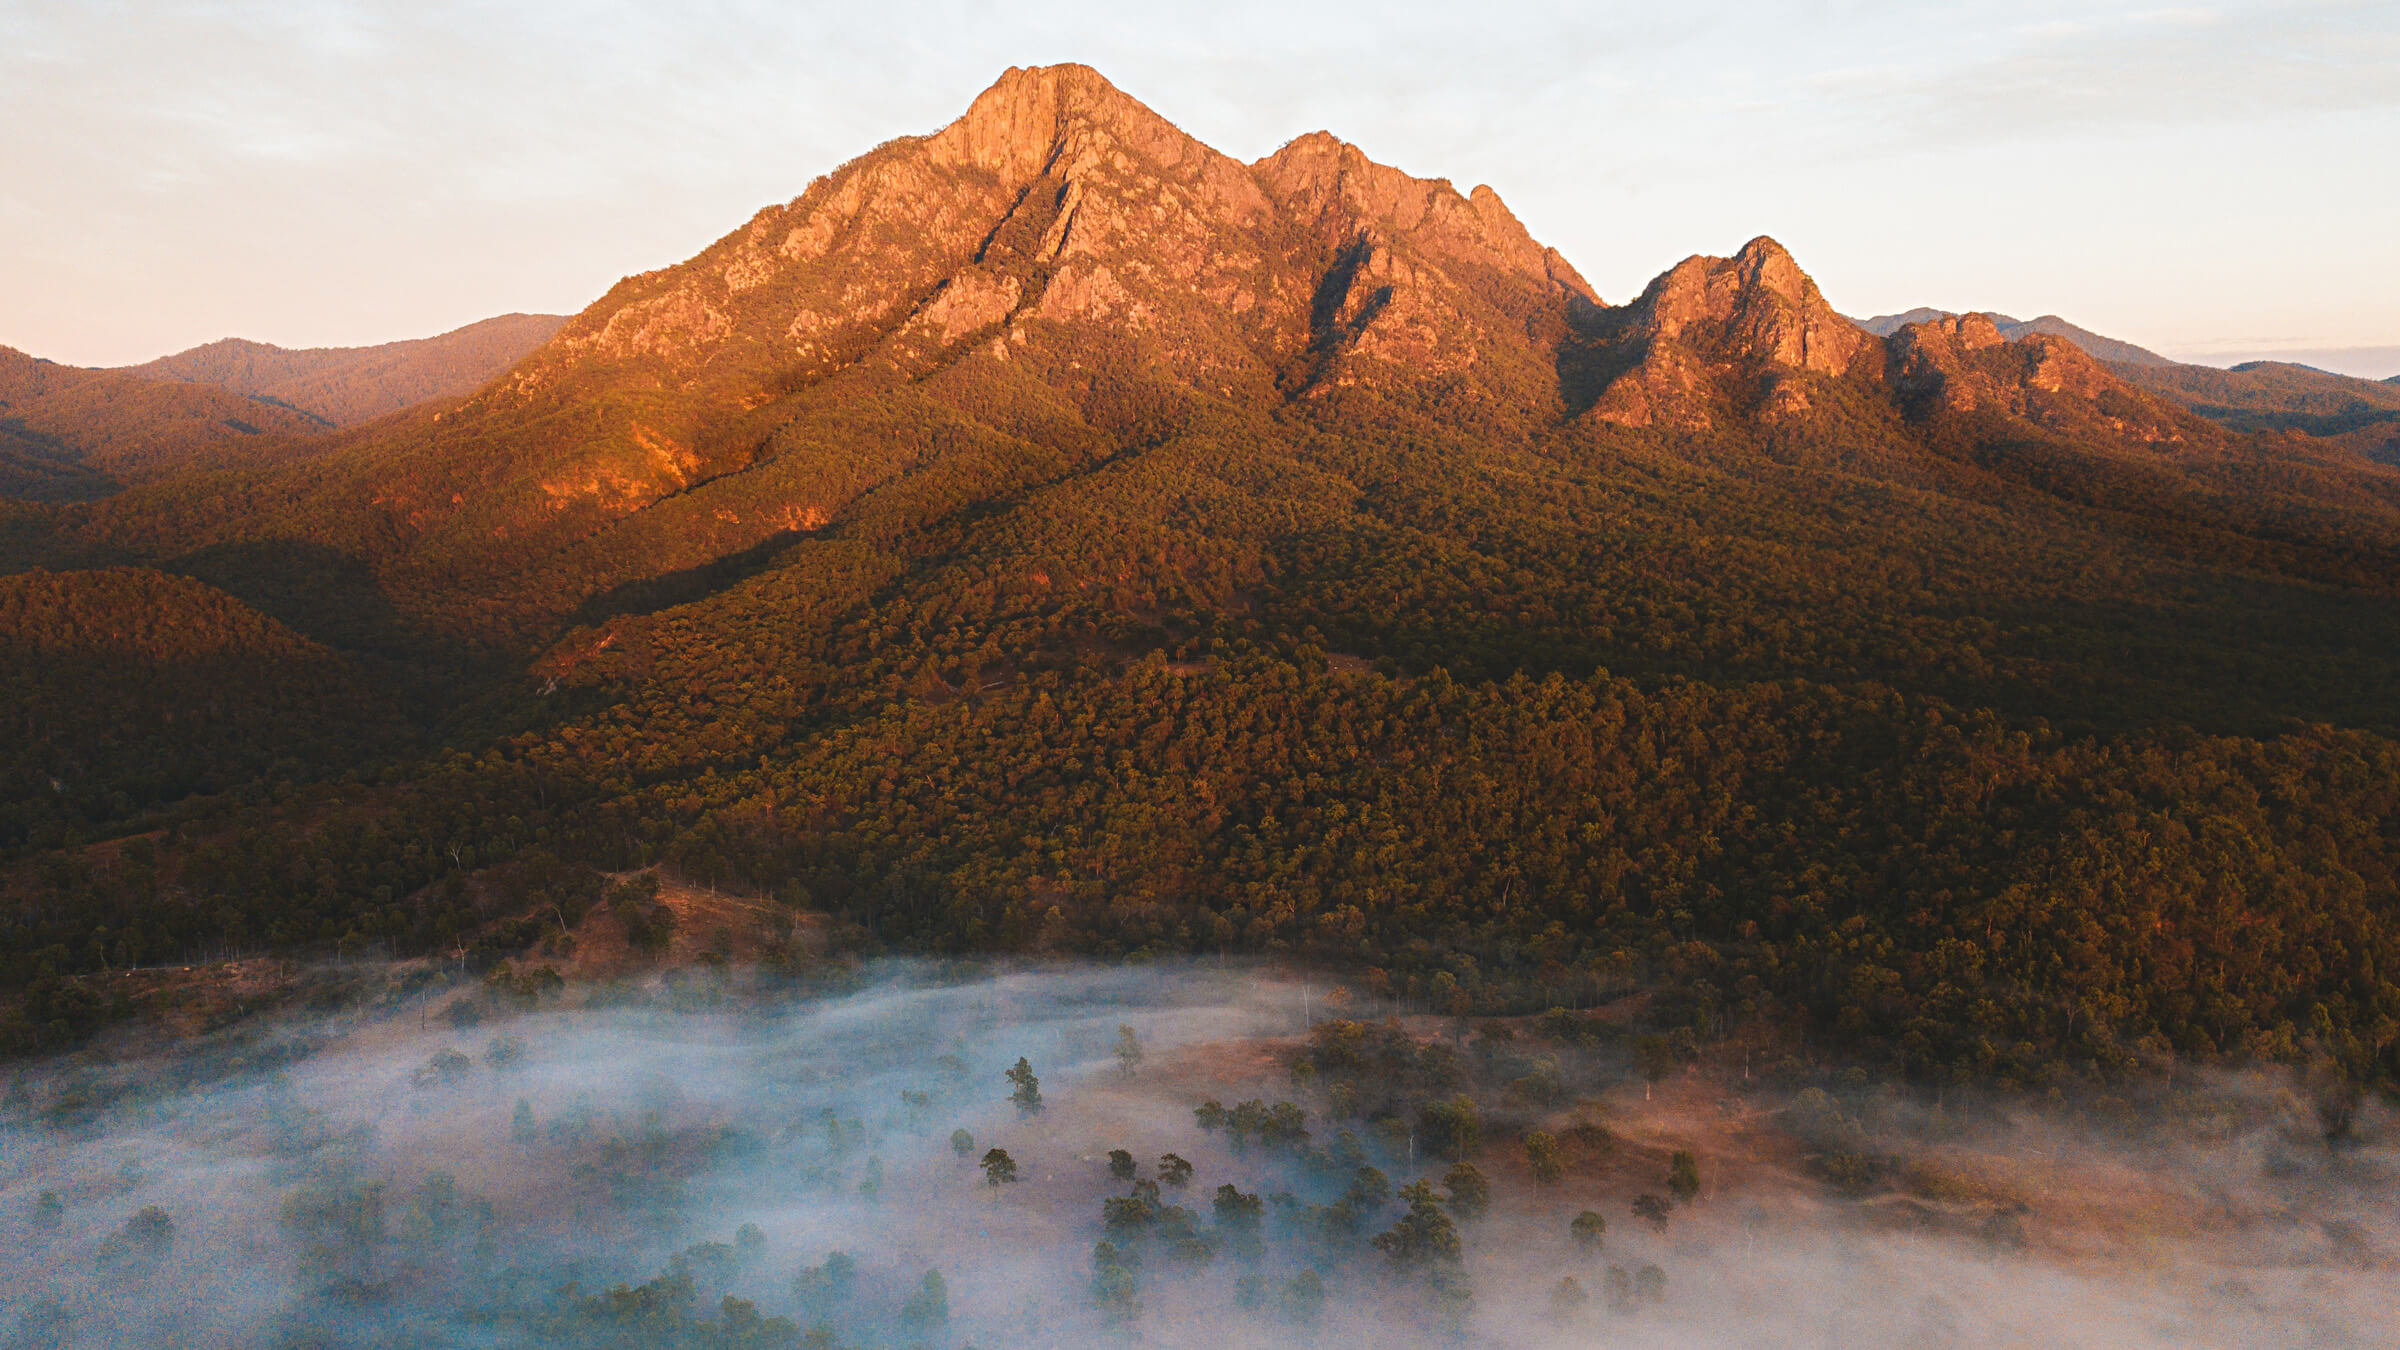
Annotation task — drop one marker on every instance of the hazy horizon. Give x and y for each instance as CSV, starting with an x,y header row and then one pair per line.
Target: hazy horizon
x,y
349,172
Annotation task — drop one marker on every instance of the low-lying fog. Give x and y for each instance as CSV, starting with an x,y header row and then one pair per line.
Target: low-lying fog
x,y
670,1167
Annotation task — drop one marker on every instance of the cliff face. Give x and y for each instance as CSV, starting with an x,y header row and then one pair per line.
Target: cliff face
x,y
1962,365
1061,277
1714,338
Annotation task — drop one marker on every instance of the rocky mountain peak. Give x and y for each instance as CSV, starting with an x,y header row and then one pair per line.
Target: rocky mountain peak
x,y
1712,329
1018,128
1334,186
1964,364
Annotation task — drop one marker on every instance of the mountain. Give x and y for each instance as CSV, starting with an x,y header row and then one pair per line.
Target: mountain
x,y
2103,348
2254,396
1049,534
348,385
69,434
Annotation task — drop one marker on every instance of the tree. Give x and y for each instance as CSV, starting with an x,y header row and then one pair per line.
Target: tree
x,y
1589,1230
1304,1298
1129,1051
1650,1283
1470,1192
821,1289
1115,1290
1027,1089
521,1124
1236,1211
1683,1176
1424,1234
1369,1189
929,1306
1452,1128
1542,1160
1120,1164
49,1212
962,1142
1653,1209
1209,1115
1567,1299
1174,1170
1656,1055
999,1169
1620,1291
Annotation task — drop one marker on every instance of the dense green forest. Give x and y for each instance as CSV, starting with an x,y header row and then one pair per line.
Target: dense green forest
x,y
1951,697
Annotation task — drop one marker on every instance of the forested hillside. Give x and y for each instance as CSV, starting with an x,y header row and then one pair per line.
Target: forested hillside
x,y
348,385
68,434
1053,535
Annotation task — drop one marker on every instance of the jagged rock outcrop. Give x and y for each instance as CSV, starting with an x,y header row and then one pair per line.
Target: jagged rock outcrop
x,y
1963,365
1059,277
1714,338
1056,229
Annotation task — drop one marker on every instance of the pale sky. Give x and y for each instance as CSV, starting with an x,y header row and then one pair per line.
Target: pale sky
x,y
2212,181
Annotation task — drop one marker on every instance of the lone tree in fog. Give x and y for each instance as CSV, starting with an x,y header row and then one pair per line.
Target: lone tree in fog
x,y
1653,1208
1120,1164
1683,1176
1304,1298
999,1169
962,1142
929,1306
1650,1284
1567,1299
1589,1230
1620,1291
1541,1158
1027,1093
1174,1170
1129,1051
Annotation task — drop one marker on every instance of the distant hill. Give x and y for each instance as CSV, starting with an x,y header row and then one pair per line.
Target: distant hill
x,y
2281,396
2103,348
348,385
69,434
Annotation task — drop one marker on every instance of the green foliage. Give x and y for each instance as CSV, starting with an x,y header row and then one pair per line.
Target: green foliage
x,y
999,1169
1542,1160
1652,1210
1025,1090
1453,1128
1470,1192
1422,1236
928,1306
1683,1176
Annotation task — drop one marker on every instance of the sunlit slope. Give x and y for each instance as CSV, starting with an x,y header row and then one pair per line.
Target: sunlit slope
x,y
348,385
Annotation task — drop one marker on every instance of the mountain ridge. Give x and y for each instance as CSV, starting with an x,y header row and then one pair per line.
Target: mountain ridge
x,y
348,385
